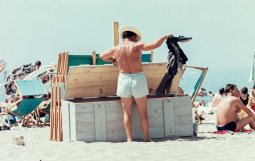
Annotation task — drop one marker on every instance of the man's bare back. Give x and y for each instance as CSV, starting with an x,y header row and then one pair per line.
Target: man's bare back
x,y
132,81
227,110
128,56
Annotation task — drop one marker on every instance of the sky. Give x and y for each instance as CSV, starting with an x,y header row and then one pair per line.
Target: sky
x,y
223,31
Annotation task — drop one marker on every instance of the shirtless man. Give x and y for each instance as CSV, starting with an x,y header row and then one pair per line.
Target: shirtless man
x,y
228,109
131,80
217,98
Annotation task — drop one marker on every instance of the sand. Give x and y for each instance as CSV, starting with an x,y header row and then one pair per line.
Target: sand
x,y
207,146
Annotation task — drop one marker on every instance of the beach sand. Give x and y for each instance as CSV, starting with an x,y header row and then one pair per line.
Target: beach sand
x,y
207,146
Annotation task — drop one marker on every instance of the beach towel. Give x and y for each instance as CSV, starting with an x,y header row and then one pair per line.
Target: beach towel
x,y
176,59
222,132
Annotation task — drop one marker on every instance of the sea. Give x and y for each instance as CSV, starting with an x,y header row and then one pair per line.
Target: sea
x,y
214,80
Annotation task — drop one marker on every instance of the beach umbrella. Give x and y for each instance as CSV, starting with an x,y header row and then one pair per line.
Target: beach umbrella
x,y
252,74
2,65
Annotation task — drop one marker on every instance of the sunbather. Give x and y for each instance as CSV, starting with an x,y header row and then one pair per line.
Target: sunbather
x,y
228,109
217,98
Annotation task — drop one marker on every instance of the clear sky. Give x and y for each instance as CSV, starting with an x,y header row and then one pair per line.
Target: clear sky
x,y
223,31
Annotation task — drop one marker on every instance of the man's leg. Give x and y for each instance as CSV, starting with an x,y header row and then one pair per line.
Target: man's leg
x,y
244,121
144,121
126,105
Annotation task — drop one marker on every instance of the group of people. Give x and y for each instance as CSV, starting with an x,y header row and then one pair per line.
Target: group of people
x,y
235,109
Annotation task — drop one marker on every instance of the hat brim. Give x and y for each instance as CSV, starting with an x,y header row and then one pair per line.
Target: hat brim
x,y
131,29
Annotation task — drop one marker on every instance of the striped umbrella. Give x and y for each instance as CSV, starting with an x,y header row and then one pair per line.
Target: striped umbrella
x,y
252,74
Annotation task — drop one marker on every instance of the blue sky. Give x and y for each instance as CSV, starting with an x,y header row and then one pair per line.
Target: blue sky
x,y
223,31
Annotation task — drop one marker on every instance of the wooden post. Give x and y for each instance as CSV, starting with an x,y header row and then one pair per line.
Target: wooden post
x,y
151,59
115,33
94,58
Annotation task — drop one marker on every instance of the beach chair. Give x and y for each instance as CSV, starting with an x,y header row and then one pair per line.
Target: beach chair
x,y
31,94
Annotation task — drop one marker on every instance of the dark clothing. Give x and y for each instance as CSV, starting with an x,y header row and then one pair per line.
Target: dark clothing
x,y
230,126
245,102
176,58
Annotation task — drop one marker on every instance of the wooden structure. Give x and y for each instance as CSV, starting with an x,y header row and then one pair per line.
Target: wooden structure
x,y
93,120
101,119
101,80
57,86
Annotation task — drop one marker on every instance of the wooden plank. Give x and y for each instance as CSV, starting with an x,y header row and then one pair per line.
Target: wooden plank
x,y
113,125
105,123
100,128
115,33
182,101
85,127
84,107
183,120
89,137
157,132
185,130
114,116
100,81
117,135
73,122
169,122
66,121
85,117
183,110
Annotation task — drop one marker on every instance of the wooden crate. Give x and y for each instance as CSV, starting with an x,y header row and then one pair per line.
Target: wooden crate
x,y
102,120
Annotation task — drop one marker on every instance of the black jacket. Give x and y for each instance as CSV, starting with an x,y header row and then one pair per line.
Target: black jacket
x,y
176,58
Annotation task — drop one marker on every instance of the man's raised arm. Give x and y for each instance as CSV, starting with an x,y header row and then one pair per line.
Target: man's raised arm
x,y
107,55
155,44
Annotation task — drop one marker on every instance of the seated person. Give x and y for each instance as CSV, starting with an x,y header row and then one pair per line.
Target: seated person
x,y
251,101
244,96
217,98
180,92
228,109
199,113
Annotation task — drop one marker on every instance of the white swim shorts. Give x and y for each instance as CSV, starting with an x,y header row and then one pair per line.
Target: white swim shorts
x,y
132,85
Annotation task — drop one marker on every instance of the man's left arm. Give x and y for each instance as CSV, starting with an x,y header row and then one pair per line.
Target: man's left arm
x,y
107,55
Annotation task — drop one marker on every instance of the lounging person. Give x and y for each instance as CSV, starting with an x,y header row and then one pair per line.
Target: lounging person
x,y
244,95
217,98
132,81
228,109
198,111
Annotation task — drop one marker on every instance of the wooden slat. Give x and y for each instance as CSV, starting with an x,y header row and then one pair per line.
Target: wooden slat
x,y
100,81
169,122
100,128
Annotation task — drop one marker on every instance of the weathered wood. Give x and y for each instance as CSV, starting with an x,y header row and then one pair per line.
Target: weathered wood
x,y
169,119
100,122
103,120
115,33
101,81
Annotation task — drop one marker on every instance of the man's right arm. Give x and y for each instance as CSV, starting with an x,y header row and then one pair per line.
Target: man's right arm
x,y
155,44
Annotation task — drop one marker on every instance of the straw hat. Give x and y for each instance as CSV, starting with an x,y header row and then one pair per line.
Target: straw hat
x,y
131,29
